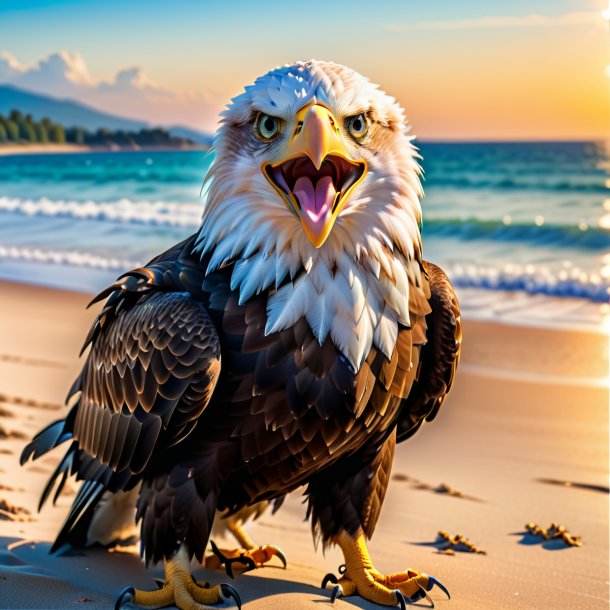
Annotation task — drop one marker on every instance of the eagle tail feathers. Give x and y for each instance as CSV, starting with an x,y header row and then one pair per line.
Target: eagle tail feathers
x,y
74,529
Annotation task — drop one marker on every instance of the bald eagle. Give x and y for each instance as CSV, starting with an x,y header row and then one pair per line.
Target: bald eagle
x,y
291,341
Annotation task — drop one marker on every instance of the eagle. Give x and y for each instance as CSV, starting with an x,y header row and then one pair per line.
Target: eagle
x,y
292,341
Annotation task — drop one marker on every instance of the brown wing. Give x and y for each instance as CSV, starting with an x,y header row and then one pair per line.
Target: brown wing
x,y
149,376
439,356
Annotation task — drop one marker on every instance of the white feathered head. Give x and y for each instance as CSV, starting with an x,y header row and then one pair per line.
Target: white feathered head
x,y
314,170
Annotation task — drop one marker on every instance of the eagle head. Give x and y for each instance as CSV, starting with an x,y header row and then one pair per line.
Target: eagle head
x,y
314,171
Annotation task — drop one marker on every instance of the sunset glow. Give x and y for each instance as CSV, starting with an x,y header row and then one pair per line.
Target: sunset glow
x,y
523,70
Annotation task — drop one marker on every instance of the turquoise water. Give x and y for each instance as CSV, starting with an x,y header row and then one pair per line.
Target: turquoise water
x,y
507,216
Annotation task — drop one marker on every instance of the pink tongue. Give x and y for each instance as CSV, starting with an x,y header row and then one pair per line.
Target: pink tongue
x,y
315,203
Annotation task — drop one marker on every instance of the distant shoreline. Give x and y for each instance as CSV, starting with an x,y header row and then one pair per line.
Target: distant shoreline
x,y
41,149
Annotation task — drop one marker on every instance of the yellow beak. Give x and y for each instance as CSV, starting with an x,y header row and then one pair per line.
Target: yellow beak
x,y
315,174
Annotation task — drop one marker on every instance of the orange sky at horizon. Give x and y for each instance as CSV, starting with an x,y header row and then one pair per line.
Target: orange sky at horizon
x,y
521,89
478,71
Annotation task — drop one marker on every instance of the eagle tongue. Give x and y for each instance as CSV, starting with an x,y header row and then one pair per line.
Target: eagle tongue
x,y
315,203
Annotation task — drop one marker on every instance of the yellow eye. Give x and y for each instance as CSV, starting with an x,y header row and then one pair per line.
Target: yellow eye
x,y
267,127
357,126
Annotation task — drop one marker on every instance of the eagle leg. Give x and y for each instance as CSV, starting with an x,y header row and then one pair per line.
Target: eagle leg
x,y
248,557
179,589
360,577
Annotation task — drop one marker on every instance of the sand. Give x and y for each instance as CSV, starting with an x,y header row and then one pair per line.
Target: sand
x,y
528,405
37,149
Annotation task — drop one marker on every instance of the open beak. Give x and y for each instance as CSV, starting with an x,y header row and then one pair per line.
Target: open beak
x,y
315,176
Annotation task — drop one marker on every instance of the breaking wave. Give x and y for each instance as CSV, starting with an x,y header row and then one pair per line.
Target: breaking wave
x,y
533,279
73,258
174,214
159,213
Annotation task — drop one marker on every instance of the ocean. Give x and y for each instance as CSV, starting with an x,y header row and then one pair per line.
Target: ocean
x,y
523,229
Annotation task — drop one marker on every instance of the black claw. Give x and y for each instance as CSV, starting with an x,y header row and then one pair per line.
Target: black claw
x,y
160,583
336,592
205,585
420,594
328,578
433,581
282,557
400,598
127,595
229,561
230,592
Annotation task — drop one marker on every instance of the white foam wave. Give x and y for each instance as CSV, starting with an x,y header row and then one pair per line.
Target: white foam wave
x,y
66,257
568,281
161,213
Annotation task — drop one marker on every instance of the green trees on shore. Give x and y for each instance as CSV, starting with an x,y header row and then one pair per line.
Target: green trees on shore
x,y
17,127
20,128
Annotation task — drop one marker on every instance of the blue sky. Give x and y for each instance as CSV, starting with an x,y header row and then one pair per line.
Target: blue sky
x,y
442,59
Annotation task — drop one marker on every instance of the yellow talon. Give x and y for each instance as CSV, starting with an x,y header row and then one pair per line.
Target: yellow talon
x,y
179,589
360,577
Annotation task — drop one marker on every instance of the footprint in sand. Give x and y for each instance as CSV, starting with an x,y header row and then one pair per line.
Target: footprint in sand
x,y
443,488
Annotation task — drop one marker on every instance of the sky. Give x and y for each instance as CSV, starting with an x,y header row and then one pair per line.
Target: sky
x,y
468,70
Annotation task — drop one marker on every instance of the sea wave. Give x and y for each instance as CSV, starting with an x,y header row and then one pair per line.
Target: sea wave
x,y
74,258
160,213
568,281
503,182
175,214
537,234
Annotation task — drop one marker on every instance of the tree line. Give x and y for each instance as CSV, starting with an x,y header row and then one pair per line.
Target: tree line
x,y
17,128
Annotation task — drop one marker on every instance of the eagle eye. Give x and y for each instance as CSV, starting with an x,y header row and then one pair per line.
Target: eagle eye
x,y
267,127
357,126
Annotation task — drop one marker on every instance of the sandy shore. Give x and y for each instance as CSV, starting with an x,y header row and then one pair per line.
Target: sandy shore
x,y
37,149
529,405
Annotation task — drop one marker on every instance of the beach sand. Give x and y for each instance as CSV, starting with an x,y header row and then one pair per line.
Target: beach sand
x,y
528,405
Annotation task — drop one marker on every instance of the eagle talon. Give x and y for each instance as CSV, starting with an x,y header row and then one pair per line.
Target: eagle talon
x,y
229,561
401,600
280,555
335,593
434,581
328,578
127,595
229,592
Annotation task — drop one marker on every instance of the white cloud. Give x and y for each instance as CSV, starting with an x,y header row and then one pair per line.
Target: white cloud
x,y
532,20
130,93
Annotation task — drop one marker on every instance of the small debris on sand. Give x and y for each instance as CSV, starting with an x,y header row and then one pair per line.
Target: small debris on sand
x,y
9,512
448,544
555,531
576,485
28,402
6,434
443,488
9,488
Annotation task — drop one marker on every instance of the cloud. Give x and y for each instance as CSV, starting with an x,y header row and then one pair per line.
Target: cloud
x,y
532,20
130,93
